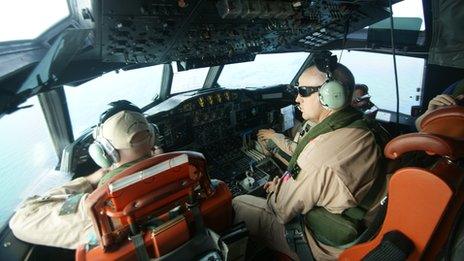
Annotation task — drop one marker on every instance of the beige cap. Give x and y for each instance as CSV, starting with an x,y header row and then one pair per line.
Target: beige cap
x,y
120,128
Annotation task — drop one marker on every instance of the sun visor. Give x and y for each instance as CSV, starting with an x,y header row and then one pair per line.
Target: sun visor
x,y
406,31
48,72
447,46
56,59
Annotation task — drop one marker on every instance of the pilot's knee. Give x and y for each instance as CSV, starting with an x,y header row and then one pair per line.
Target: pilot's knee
x,y
248,201
247,207
237,201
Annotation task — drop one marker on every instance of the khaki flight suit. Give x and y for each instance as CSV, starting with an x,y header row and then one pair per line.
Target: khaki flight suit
x,y
38,220
60,218
337,170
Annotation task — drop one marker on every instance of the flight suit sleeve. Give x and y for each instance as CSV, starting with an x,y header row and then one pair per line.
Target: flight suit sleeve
x,y
44,220
285,144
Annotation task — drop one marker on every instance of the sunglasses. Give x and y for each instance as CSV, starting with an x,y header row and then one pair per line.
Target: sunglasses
x,y
306,91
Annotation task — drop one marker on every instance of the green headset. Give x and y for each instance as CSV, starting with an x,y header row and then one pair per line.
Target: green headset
x,y
101,150
332,94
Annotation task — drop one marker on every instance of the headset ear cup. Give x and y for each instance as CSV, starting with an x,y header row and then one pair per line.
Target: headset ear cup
x,y
332,95
98,154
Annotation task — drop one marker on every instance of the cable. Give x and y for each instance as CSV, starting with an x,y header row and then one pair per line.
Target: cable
x,y
347,30
392,29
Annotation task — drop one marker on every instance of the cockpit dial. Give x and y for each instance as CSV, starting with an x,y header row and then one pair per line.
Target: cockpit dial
x,y
201,102
227,96
210,99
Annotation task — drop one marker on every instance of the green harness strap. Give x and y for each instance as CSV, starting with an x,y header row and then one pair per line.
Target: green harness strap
x,y
339,119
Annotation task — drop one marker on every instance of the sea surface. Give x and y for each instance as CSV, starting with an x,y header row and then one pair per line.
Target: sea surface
x,y
27,153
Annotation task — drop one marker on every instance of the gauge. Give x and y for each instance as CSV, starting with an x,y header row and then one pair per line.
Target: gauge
x,y
201,102
187,107
210,100
227,96
254,111
219,98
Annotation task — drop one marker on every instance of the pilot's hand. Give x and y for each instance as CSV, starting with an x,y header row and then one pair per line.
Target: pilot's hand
x,y
271,185
440,101
156,150
265,134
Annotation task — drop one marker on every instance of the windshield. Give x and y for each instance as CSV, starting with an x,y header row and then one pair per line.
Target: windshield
x,y
30,18
87,101
188,80
265,70
28,158
376,71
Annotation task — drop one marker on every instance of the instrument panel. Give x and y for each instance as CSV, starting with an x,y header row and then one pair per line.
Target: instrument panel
x,y
211,117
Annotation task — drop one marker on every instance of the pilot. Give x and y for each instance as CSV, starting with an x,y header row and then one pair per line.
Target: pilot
x,y
360,90
453,95
332,167
59,218
362,100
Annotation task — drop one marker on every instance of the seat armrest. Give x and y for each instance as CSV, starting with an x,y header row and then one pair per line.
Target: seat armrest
x,y
431,144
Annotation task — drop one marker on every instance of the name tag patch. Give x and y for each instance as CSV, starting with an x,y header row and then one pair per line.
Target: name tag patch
x,y
70,205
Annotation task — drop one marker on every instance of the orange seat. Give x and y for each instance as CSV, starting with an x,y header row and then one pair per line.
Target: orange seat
x,y
423,204
153,198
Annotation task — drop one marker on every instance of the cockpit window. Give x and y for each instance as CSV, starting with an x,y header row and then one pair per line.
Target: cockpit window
x,y
188,80
87,101
376,71
27,156
25,19
265,70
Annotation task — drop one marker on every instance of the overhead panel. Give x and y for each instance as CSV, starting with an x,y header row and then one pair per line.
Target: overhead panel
x,y
200,33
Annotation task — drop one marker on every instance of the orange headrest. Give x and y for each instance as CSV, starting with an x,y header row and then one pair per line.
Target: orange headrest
x,y
431,144
447,121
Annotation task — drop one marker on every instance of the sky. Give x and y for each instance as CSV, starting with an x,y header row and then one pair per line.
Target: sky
x,y
27,19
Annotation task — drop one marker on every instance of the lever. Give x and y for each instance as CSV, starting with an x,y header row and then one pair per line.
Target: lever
x,y
248,182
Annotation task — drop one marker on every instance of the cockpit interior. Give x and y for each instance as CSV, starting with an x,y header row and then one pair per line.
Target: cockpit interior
x,y
98,38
